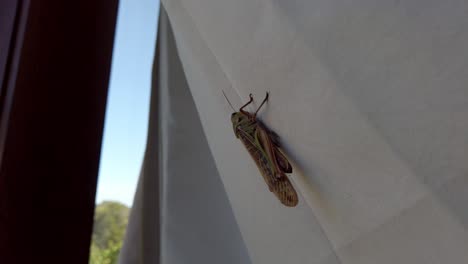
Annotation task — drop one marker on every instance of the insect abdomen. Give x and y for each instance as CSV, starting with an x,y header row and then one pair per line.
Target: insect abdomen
x,y
280,186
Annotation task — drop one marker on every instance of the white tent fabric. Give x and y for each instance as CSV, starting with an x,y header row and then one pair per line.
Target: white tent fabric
x,y
370,99
180,213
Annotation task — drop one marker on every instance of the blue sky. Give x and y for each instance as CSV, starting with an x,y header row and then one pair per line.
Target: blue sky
x,y
128,100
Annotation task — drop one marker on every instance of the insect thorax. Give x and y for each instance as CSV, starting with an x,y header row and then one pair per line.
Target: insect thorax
x,y
244,123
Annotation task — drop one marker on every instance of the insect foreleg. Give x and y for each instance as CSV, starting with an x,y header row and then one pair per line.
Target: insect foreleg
x,y
246,104
264,100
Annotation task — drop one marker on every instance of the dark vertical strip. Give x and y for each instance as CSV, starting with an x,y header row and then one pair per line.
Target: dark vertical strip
x,y
16,12
52,142
9,16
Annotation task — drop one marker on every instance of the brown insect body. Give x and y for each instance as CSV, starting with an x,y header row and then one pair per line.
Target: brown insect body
x,y
263,145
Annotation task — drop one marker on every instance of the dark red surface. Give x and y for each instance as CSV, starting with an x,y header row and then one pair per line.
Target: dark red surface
x,y
52,139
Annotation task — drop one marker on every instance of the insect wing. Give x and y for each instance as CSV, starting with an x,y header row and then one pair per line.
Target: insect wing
x,y
269,142
276,180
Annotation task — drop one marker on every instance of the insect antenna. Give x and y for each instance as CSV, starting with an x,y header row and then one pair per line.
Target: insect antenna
x,y
228,101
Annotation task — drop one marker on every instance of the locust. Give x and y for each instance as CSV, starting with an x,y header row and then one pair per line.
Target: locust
x,y
264,147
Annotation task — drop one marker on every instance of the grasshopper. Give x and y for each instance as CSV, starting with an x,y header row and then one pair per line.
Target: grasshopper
x,y
264,147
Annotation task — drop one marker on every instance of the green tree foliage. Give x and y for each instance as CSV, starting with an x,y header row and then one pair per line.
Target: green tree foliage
x,y
110,222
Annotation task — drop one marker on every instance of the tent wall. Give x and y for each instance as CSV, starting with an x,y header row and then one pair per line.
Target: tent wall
x,y
181,213
370,101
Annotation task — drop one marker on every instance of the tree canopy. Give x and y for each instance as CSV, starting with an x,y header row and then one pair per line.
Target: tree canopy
x,y
110,222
